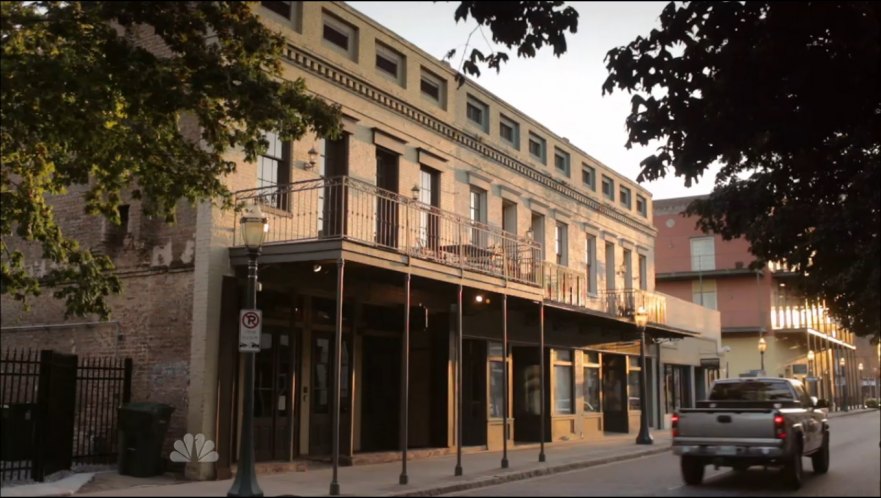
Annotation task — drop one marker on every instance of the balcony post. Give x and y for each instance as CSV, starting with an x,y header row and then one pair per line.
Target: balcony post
x,y
405,382
505,381
458,469
541,320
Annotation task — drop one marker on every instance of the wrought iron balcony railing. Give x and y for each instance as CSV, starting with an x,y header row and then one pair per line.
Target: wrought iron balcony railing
x,y
564,285
345,208
622,303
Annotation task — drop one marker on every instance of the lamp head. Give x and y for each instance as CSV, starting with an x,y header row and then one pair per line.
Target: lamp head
x,y
763,346
860,367
641,317
415,192
810,355
313,158
254,227
841,362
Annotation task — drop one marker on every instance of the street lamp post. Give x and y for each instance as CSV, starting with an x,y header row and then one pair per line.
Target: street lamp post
x,y
641,318
762,347
843,384
811,382
860,382
254,227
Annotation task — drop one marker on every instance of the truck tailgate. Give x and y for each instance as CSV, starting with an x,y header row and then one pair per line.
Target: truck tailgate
x,y
726,423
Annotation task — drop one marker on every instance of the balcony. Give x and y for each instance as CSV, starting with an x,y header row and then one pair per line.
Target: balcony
x,y
786,314
345,208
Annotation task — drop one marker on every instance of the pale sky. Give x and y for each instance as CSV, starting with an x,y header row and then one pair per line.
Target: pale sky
x,y
564,94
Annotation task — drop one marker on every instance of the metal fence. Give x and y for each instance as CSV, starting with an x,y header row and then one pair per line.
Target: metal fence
x,y
102,385
59,411
346,208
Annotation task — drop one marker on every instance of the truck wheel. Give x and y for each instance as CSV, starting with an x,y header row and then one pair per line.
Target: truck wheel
x,y
820,459
692,470
792,471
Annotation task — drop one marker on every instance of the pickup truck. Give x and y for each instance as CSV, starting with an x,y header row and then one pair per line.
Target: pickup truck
x,y
766,421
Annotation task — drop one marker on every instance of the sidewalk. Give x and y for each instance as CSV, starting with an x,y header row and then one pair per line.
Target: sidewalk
x,y
427,476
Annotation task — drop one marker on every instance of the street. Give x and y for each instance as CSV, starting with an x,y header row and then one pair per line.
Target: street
x,y
854,471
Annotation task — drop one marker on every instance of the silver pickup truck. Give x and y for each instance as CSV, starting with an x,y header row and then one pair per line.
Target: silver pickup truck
x,y
753,421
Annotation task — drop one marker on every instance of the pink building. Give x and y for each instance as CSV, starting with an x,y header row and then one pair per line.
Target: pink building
x,y
798,337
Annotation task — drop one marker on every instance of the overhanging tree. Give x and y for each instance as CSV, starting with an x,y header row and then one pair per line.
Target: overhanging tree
x,y
83,104
785,96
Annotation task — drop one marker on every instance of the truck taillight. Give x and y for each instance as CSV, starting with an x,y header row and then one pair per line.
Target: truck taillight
x,y
779,426
674,424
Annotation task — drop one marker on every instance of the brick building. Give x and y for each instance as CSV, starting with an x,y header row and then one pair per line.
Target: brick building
x,y
802,340
441,200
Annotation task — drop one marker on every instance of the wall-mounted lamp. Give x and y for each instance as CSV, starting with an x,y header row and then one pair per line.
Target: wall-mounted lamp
x,y
530,234
316,268
415,192
313,158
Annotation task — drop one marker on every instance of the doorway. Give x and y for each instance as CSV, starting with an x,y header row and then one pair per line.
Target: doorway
x,y
386,205
274,377
614,393
332,222
527,395
321,406
380,401
473,392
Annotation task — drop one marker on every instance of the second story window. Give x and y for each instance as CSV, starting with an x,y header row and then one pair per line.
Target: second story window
x,y
390,63
273,168
561,244
340,36
537,148
589,177
561,161
608,188
641,206
281,8
703,254
591,264
643,272
509,131
477,213
624,197
477,112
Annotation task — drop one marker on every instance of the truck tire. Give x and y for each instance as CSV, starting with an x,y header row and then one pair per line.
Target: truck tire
x,y
793,473
820,459
692,470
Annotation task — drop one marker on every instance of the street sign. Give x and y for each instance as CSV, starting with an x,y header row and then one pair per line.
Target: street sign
x,y
810,379
250,326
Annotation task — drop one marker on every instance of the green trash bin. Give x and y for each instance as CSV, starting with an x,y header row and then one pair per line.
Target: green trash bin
x,y
142,428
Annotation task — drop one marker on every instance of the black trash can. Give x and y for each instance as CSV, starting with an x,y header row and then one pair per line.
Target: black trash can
x,y
19,420
142,428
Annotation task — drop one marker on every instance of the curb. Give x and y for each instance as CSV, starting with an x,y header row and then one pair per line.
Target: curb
x,y
528,474
852,412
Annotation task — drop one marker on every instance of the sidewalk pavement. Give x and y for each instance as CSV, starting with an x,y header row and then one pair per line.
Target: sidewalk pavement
x,y
427,476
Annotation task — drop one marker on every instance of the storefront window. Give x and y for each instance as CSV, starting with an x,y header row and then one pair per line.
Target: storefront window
x,y
591,389
633,390
496,388
563,381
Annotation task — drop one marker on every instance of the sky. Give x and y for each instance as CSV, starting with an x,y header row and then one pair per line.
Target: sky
x,y
565,93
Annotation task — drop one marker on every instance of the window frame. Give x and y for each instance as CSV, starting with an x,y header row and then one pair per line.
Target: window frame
x,y
492,357
386,52
433,79
566,159
702,289
642,206
561,243
279,151
625,197
473,102
705,261
570,365
343,28
591,262
590,170
543,146
515,131
610,195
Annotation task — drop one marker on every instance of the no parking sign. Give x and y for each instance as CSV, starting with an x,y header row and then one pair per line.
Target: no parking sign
x,y
250,324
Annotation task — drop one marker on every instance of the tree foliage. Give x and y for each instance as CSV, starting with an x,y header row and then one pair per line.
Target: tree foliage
x,y
527,25
785,96
84,104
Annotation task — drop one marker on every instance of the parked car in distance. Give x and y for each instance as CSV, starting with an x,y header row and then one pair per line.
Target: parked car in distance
x,y
766,421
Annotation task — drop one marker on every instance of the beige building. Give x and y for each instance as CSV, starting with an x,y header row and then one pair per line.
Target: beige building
x,y
441,200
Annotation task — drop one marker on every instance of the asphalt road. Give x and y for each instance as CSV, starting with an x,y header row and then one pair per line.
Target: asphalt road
x,y
855,470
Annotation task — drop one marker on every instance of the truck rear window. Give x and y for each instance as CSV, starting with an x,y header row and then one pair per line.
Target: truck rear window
x,y
751,391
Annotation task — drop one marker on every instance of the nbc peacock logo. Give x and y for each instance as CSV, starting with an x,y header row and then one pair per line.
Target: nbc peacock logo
x,y
194,449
